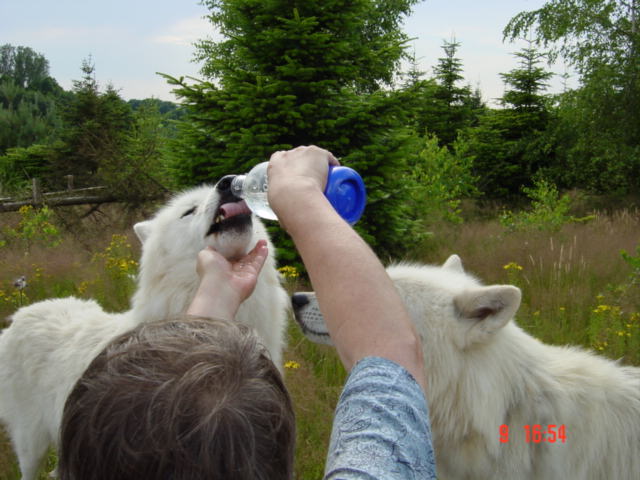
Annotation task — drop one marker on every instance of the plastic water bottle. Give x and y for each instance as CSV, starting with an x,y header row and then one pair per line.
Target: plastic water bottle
x,y
345,191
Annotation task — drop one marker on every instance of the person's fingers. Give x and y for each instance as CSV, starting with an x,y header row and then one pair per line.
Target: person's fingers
x,y
255,258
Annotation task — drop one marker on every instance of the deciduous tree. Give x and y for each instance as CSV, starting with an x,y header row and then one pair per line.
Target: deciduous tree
x,y
601,40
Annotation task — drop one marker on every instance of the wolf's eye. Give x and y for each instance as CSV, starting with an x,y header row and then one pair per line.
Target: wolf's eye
x,y
189,212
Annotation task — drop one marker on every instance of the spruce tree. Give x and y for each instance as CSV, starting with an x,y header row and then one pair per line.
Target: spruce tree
x,y
441,105
295,73
97,125
507,143
456,108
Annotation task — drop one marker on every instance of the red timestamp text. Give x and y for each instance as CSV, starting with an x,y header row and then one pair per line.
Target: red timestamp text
x,y
537,433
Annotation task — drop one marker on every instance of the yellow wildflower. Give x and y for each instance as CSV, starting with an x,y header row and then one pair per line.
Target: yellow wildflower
x,y
601,309
512,266
289,271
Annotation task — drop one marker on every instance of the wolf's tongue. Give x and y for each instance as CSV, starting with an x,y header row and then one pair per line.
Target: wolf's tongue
x,y
229,210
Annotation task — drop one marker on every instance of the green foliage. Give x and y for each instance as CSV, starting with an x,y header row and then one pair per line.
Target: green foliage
x,y
114,289
633,262
457,106
601,41
631,290
593,151
439,105
549,210
613,331
440,179
26,117
28,98
508,145
36,227
168,110
355,44
588,33
138,172
19,165
285,76
525,84
96,128
26,69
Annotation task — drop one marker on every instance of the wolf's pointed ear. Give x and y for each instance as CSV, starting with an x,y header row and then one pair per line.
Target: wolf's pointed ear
x,y
453,263
491,307
142,229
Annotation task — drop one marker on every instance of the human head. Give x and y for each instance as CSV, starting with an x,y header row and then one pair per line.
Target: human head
x,y
189,399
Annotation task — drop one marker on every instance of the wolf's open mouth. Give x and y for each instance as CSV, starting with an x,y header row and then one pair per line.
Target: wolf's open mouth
x,y
232,215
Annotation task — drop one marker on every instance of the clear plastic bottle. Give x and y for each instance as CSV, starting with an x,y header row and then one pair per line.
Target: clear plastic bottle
x,y
345,191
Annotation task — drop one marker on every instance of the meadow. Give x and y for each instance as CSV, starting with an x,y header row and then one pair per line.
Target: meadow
x,y
580,282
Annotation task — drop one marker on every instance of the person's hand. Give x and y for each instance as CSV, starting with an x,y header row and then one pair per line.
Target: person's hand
x,y
297,172
224,285
241,275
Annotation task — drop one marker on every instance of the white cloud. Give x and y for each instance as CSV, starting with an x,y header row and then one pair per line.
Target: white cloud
x,y
185,32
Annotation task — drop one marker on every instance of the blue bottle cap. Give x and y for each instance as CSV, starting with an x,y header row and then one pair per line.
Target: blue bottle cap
x,y
346,192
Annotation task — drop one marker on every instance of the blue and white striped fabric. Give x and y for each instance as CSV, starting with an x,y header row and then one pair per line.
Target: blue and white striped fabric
x,y
381,428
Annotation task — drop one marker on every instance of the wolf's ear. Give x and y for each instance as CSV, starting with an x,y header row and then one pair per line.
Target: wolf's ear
x,y
490,307
142,229
453,263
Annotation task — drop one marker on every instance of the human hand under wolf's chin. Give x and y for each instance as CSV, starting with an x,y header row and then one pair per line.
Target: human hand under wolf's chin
x,y
225,284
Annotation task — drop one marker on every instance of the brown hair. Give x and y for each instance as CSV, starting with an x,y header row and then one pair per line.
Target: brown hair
x,y
179,400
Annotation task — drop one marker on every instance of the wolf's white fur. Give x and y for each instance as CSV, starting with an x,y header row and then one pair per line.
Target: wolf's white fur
x,y
483,371
49,344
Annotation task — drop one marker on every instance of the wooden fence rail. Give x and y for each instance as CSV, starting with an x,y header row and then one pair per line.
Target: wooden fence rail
x,y
71,196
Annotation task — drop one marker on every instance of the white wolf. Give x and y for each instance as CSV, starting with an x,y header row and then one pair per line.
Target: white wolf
x,y
49,344
569,414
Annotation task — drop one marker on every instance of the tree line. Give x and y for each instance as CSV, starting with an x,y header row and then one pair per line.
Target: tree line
x,y
328,72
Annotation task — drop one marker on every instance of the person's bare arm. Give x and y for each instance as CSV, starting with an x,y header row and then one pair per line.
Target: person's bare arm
x,y
364,313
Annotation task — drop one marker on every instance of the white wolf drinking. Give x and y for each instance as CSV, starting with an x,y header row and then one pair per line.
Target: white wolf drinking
x,y
484,373
49,344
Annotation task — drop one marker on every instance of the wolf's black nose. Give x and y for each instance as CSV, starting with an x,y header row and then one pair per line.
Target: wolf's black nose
x,y
224,185
299,300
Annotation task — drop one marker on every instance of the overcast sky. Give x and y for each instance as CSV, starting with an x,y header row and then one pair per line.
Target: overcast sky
x,y
130,40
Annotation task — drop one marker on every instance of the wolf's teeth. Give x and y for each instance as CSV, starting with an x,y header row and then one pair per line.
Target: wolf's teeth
x,y
219,218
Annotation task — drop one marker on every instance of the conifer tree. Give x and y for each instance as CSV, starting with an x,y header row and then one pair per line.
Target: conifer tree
x,y
441,105
457,108
295,73
97,125
507,142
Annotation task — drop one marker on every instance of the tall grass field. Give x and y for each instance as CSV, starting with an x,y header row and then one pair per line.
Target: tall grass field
x,y
580,283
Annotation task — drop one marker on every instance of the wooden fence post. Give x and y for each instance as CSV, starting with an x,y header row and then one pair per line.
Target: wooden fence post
x,y
37,191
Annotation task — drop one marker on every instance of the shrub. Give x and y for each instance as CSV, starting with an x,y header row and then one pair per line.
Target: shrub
x,y
438,181
549,210
35,227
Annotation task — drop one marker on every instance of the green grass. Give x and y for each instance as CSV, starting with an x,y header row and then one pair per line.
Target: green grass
x,y
577,289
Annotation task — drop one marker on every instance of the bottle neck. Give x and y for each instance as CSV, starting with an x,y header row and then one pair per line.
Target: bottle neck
x,y
237,185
